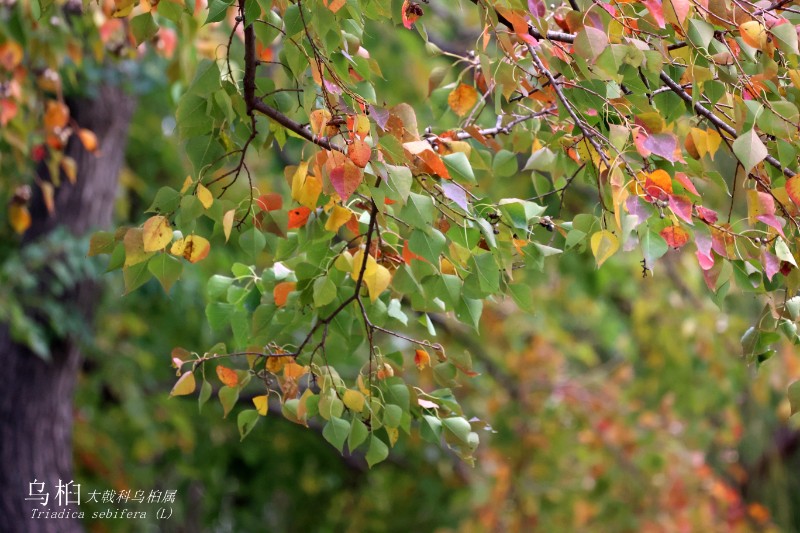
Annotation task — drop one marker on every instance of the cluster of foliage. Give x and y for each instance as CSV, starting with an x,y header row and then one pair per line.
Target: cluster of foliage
x,y
679,116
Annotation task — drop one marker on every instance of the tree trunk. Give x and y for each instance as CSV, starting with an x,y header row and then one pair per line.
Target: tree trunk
x,y
36,395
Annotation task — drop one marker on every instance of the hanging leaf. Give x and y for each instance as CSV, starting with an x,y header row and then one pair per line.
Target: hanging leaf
x,y
227,223
345,179
281,292
749,150
298,217
185,385
262,404
246,421
205,196
376,277
462,99
156,233
19,217
192,248
338,217
359,153
675,236
227,376
422,359
604,245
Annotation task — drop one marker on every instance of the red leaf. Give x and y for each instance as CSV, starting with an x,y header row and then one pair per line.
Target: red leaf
x,y
270,202
408,255
675,236
684,180
706,215
410,12
681,206
227,376
298,217
345,179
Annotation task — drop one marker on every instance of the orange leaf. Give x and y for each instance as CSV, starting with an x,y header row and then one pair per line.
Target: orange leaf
x,y
294,371
56,116
675,236
10,55
88,139
19,217
462,99
793,189
658,185
281,292
298,217
270,202
359,153
408,255
227,376
422,359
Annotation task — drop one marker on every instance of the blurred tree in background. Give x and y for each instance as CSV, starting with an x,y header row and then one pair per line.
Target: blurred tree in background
x,y
605,400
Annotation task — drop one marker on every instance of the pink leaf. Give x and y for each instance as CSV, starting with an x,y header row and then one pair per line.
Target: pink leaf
x,y
456,194
772,265
537,8
704,255
663,145
656,9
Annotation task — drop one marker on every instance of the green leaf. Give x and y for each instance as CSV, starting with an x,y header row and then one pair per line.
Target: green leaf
x,y
228,397
458,426
418,211
217,10
783,253
429,244
358,434
246,421
458,166
377,451
400,180
252,242
102,242
392,415
135,276
166,269
205,394
324,291
217,287
504,164
749,150
794,397
336,432
166,201
143,27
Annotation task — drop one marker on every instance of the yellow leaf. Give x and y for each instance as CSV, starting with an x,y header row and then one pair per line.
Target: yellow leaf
x,y
262,404
205,196
186,184
318,120
185,385
193,248
70,168
156,233
354,400
227,223
393,433
700,140
338,217
754,34
794,75
462,99
604,245
19,217
376,277
305,189
713,140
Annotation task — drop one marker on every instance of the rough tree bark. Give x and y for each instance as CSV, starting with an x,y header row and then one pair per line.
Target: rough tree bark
x,y
36,396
